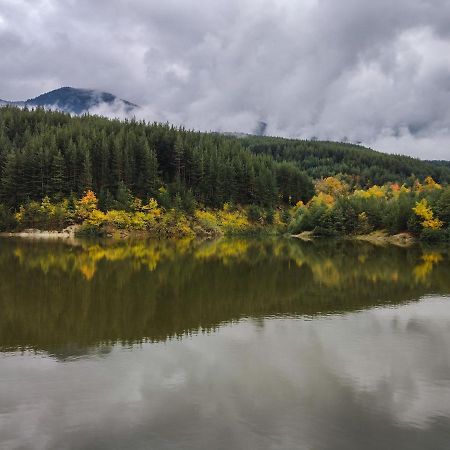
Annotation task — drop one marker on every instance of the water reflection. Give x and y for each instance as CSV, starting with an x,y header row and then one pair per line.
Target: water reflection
x,y
265,344
373,379
65,298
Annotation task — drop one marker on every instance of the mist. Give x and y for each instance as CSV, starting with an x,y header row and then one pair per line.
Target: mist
x,y
376,73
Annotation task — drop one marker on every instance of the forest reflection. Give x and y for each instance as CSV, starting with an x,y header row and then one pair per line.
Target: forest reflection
x,y
64,298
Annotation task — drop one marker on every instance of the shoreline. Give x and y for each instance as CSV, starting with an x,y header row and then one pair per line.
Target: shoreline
x,y
383,238
34,233
375,238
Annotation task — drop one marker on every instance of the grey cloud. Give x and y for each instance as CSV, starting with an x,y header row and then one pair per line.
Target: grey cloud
x,y
377,72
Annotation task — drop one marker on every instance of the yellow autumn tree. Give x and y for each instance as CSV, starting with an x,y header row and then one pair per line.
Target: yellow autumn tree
x,y
430,184
373,192
322,199
424,212
331,186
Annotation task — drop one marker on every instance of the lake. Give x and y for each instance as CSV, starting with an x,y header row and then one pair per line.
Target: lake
x,y
228,344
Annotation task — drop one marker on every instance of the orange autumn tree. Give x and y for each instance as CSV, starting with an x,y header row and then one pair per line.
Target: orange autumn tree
x,y
86,205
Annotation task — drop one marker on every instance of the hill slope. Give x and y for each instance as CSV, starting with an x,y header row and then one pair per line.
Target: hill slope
x,y
362,165
52,153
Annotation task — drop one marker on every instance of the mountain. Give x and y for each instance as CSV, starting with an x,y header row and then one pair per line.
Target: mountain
x,y
75,101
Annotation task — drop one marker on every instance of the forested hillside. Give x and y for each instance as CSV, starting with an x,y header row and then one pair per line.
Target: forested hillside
x,y
441,163
45,153
363,166
51,153
103,175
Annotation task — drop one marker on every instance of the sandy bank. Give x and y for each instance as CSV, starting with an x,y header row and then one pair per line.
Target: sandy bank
x,y
376,238
33,233
383,238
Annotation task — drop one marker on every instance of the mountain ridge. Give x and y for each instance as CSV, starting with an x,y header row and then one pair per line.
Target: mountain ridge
x,y
80,100
74,100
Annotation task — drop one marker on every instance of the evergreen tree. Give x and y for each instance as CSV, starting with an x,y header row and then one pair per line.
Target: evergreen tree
x,y
123,197
147,178
57,182
86,172
178,161
9,180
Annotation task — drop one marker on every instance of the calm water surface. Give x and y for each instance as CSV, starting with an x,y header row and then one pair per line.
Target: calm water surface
x,y
231,344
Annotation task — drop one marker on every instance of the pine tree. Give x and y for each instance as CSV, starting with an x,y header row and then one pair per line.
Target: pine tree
x,y
123,197
86,172
147,183
56,184
9,180
178,161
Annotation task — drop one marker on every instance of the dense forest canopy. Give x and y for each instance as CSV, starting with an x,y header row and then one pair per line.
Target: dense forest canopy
x,y
45,153
363,166
52,153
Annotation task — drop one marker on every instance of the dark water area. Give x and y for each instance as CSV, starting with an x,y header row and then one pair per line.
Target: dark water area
x,y
235,343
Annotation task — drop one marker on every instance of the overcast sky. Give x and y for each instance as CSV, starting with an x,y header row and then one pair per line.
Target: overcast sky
x,y
370,71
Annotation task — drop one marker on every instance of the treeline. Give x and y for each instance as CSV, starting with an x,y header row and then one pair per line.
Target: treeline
x,y
44,153
104,175
422,210
362,166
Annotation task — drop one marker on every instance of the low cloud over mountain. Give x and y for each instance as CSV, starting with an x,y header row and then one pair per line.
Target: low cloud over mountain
x,y
78,101
374,72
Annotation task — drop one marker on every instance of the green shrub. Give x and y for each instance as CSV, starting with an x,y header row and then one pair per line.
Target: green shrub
x,y
90,230
442,207
7,220
270,216
430,235
398,212
254,213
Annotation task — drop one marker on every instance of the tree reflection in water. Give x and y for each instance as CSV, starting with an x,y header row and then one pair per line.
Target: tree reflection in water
x,y
66,298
